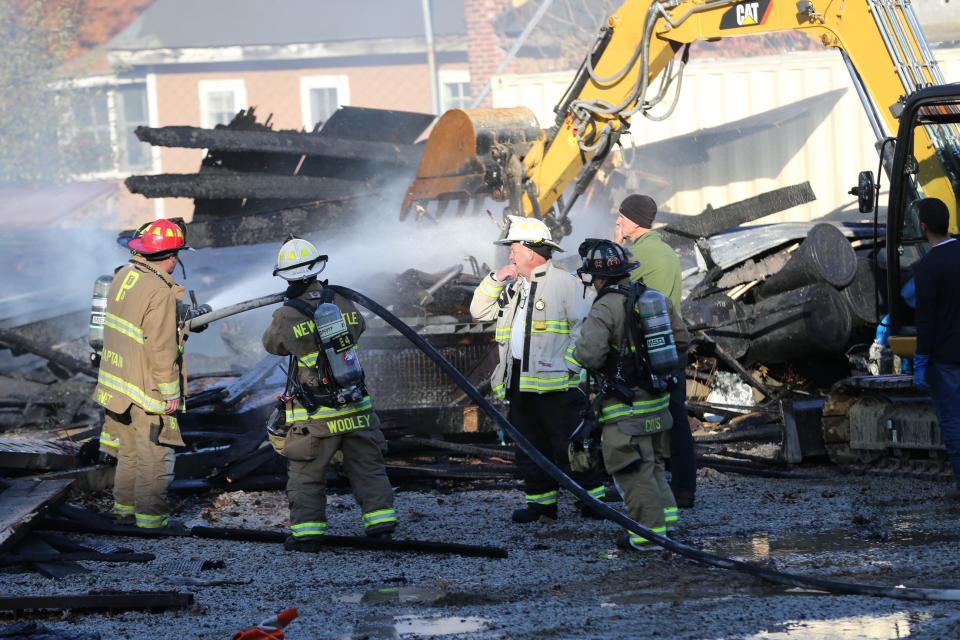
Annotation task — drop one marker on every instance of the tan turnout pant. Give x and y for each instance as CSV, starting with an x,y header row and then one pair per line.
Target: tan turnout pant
x,y
144,467
309,456
637,464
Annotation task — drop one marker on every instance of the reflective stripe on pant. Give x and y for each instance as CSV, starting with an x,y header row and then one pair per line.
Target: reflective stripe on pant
x,y
144,467
308,529
545,499
547,420
365,468
381,516
945,388
631,460
636,539
661,452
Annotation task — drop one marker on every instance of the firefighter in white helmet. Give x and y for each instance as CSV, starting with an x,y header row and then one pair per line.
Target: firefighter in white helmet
x,y
538,308
319,416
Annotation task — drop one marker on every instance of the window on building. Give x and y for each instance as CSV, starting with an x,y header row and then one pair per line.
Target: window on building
x,y
454,89
220,100
96,131
132,112
321,96
85,133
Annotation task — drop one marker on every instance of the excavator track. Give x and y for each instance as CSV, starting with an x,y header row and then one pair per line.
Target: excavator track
x,y
884,425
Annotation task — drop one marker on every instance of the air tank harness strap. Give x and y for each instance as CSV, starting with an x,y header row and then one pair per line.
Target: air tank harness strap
x,y
310,400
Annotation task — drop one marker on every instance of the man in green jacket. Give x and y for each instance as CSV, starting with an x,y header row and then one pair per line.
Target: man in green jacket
x,y
660,270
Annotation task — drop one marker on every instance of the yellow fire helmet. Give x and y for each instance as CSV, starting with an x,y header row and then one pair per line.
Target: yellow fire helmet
x,y
532,232
299,259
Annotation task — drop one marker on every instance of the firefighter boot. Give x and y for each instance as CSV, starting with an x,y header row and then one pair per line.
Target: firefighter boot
x,y
383,531
627,541
534,512
305,545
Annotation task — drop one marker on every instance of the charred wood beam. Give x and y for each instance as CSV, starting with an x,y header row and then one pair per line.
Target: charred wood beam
x,y
255,461
237,186
861,294
795,324
727,359
713,221
824,256
770,432
22,504
122,600
727,467
507,454
717,450
85,556
754,270
37,454
249,380
374,544
105,528
47,560
452,472
308,144
18,344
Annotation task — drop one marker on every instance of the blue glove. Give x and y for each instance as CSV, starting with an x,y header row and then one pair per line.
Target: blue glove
x,y
909,293
882,336
920,372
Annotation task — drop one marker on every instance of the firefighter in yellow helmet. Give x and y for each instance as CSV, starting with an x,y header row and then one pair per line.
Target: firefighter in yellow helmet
x,y
141,381
326,408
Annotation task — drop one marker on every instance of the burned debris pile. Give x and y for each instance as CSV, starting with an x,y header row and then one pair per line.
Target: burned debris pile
x,y
256,183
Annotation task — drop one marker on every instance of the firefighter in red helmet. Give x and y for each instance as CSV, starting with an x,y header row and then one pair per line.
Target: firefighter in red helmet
x,y
142,380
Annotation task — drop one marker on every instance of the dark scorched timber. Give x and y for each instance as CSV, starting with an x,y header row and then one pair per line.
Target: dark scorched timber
x,y
120,600
824,256
287,142
713,221
235,186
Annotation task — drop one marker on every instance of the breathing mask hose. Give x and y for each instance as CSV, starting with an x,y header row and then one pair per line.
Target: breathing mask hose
x,y
232,310
793,580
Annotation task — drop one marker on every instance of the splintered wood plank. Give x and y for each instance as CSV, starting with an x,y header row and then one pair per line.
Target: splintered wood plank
x,y
23,502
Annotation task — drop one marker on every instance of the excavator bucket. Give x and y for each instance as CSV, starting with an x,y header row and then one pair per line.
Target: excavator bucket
x,y
467,156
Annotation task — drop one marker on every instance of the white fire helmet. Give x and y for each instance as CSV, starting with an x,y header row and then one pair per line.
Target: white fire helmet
x,y
531,232
299,259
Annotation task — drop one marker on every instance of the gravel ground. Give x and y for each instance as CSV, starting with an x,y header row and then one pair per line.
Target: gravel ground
x,y
564,580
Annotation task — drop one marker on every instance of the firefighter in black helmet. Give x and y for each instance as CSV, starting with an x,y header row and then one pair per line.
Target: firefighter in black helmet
x,y
633,409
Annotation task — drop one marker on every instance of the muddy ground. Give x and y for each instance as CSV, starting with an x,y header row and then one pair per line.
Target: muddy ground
x,y
564,580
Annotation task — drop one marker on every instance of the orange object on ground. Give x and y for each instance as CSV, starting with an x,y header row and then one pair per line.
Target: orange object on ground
x,y
269,629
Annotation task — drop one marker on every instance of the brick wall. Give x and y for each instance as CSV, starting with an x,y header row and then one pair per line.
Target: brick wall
x,y
483,47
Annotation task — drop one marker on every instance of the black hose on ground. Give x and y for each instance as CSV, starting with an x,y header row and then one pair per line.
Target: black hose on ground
x,y
788,579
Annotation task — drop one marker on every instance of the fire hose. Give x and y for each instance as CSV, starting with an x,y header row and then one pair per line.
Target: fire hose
x,y
232,310
609,513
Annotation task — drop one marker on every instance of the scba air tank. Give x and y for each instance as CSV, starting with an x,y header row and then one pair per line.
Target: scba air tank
x,y
98,312
658,332
338,347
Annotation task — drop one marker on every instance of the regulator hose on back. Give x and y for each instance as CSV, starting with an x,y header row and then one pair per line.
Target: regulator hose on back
x,y
793,580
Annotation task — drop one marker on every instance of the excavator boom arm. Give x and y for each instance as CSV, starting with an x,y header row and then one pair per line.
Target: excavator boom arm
x,y
881,41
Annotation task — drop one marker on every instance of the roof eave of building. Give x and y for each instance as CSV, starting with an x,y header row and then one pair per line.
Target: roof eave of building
x,y
302,51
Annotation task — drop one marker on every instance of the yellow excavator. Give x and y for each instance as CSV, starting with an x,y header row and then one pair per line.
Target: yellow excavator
x,y
504,154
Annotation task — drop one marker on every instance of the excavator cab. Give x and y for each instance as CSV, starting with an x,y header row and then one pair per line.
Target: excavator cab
x,y
930,120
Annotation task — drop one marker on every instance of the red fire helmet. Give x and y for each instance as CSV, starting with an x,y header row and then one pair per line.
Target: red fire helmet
x,y
159,237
